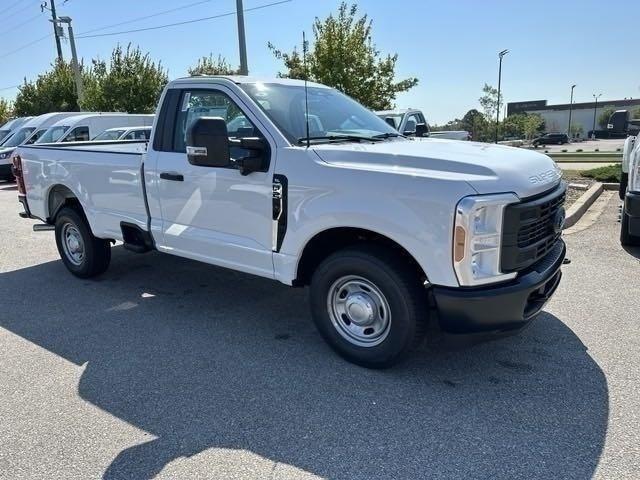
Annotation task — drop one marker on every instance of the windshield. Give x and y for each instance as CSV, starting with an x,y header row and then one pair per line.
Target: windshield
x,y
19,137
53,134
331,113
109,135
34,137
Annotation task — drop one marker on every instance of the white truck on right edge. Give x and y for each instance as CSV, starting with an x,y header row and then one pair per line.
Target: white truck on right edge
x,y
630,193
391,235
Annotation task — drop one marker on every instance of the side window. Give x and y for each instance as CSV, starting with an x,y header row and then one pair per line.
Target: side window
x,y
410,126
78,134
210,103
137,135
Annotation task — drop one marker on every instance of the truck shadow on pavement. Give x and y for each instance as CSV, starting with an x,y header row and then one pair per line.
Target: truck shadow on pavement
x,y
202,358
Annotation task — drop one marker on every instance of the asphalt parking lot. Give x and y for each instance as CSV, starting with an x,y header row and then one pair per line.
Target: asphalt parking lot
x,y
167,368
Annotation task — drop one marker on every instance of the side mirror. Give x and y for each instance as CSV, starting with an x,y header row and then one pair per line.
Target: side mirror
x,y
254,159
208,142
421,130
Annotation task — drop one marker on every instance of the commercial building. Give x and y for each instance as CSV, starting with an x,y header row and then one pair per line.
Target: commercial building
x,y
556,117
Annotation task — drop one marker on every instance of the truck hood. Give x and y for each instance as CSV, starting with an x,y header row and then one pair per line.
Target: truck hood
x,y
486,167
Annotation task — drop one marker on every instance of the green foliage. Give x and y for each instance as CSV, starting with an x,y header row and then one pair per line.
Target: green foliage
x,y
609,173
635,114
131,82
533,125
212,66
6,111
53,91
343,56
576,129
603,118
489,101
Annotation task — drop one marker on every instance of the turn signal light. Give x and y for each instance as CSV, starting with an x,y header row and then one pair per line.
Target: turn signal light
x,y
459,243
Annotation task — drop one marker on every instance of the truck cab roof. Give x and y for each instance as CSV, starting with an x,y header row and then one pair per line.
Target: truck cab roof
x,y
240,80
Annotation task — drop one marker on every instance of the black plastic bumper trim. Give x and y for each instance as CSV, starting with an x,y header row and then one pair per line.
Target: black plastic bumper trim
x,y
500,308
632,208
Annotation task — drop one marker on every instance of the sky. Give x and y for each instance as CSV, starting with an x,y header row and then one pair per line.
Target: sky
x,y
450,46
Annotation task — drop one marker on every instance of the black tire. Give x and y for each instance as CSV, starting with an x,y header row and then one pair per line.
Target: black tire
x,y
96,252
626,238
624,181
400,286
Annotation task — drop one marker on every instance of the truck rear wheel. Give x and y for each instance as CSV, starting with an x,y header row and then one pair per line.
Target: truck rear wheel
x,y
83,254
368,305
625,237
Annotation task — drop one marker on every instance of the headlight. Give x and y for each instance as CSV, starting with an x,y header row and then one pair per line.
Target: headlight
x,y
634,172
477,239
5,155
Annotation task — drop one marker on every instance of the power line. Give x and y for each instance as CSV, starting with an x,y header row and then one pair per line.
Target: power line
x,y
23,23
137,19
17,11
25,46
9,88
185,22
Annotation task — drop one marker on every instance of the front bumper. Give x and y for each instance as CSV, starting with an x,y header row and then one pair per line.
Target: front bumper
x,y
632,208
506,307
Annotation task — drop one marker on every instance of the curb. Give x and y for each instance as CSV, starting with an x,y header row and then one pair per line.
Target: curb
x,y
578,209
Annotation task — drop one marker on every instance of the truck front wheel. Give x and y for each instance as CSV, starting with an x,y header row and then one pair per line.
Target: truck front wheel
x,y
83,254
368,304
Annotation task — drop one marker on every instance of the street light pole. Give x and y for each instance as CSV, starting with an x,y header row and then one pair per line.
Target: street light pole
x,y
74,60
242,41
570,108
500,54
595,109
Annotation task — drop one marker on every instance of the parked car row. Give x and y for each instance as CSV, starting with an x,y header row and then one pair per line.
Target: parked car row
x,y
630,193
64,127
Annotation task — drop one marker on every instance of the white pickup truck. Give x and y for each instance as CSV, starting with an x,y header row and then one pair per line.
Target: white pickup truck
x,y
630,193
392,235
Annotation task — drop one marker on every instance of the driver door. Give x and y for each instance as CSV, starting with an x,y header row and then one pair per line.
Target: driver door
x,y
214,214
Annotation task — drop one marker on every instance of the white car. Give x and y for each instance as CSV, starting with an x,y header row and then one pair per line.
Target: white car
x,y
82,128
413,123
10,126
29,132
630,218
391,235
124,133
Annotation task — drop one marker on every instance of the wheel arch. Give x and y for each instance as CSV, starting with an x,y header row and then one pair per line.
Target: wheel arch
x,y
328,241
59,196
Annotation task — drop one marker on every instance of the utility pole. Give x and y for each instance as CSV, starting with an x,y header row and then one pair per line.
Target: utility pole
x,y
500,54
74,59
570,108
595,109
242,41
56,26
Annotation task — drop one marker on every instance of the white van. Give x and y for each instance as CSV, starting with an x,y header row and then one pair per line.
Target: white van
x,y
10,126
84,127
26,134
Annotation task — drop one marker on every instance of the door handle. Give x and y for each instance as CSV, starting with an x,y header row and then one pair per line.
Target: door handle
x,y
176,177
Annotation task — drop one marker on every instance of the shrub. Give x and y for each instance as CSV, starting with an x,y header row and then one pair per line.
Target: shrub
x,y
609,173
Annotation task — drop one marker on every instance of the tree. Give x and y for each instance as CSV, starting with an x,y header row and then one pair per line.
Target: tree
x,y
475,123
53,91
533,125
344,56
6,111
212,66
514,125
603,118
635,114
131,82
489,101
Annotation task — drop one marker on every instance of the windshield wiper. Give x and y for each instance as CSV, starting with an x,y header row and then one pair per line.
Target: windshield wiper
x,y
334,138
388,135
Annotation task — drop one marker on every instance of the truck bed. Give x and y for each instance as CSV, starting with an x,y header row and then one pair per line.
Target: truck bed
x,y
107,177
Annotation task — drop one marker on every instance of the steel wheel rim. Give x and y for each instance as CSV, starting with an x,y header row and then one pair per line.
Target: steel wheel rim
x,y
359,311
72,244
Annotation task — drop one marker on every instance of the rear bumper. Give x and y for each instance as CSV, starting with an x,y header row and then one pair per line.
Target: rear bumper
x,y
632,208
508,307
